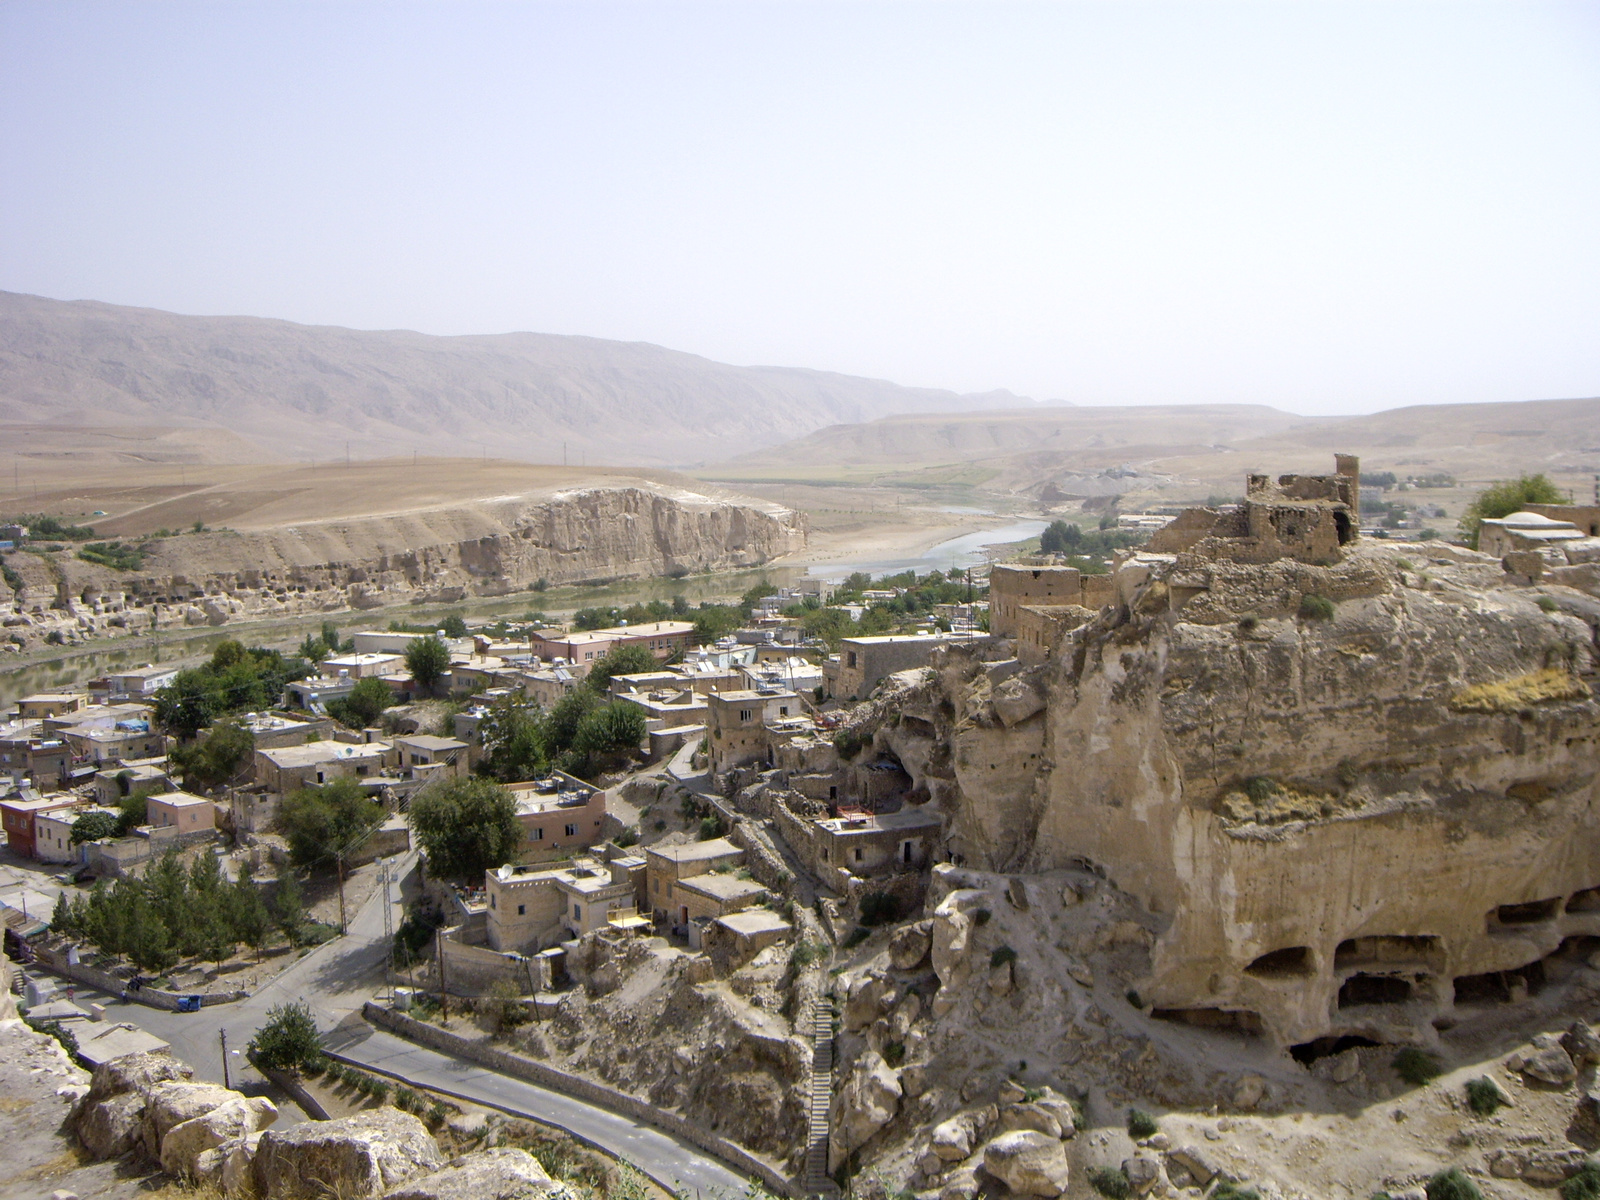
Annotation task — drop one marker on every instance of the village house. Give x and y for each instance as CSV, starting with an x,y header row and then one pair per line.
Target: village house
x,y
270,729
715,894
530,907
733,940
1526,530
1584,517
364,666
316,692
668,708
1014,587
114,783
18,817
50,704
181,811
421,754
139,684
864,843
53,832
662,638
736,725
560,815
285,769
28,752
578,649
375,641
862,662
666,865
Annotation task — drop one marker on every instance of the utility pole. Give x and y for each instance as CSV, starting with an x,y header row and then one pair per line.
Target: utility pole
x,y
444,993
339,859
222,1035
388,932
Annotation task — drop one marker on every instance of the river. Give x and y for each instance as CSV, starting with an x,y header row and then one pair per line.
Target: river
x,y
73,666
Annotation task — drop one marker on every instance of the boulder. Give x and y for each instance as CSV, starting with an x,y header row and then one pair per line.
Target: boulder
x,y
963,1185
1143,1173
1001,979
227,1167
1581,1044
952,932
1027,1162
1062,1110
1249,1092
227,1122
1015,701
109,1128
909,945
1029,1116
1011,1092
135,1073
363,1155
174,1102
1346,1065
867,1102
864,1003
1194,1162
1550,1065
502,1173
953,1139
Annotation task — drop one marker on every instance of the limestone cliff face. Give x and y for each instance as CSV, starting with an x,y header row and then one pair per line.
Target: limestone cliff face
x,y
490,548
1346,822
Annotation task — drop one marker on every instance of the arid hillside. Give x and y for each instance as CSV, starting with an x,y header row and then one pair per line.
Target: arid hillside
x,y
1181,451
298,392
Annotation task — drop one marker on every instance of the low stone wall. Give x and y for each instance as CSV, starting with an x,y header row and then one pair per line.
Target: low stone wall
x,y
545,1075
473,971
152,997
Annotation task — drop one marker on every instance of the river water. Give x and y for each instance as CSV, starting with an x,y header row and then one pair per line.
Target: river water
x,y
74,666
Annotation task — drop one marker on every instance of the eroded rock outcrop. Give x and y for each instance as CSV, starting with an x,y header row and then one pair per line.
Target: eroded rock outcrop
x,y
364,1155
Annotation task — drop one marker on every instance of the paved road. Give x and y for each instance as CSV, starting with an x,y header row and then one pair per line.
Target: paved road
x,y
673,1164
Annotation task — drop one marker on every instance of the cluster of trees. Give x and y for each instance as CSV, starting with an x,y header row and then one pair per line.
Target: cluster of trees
x,y
1060,537
364,705
225,753
635,614
43,526
132,810
427,658
582,733
465,827
1503,499
319,646
179,912
235,680
324,824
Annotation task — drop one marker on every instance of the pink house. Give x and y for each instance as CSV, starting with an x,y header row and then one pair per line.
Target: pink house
x,y
190,814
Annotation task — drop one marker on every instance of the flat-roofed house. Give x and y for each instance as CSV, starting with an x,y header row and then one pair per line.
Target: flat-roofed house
x,y
421,753
50,704
284,769
181,811
560,815
666,865
17,816
531,906
736,725
863,842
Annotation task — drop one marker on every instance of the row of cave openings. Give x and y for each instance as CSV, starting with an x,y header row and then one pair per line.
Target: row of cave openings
x,y
1397,969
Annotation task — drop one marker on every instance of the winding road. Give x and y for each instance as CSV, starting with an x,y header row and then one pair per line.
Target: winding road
x,y
335,980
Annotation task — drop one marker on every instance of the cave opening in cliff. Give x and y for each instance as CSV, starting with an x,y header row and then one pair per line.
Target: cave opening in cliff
x,y
1587,900
1237,1019
1386,948
1363,989
1291,962
1531,913
1495,987
1341,524
1307,1053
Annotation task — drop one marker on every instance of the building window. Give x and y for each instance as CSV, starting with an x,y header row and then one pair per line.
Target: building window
x,y
492,904
858,853
783,711
538,834
744,714
852,658
572,831
522,910
577,912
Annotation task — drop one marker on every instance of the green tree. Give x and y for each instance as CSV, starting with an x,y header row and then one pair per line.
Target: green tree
x,y
1060,538
829,624
1505,498
289,1040
227,750
314,649
323,824
454,626
288,905
561,725
427,658
247,912
133,810
512,733
465,827
610,731
91,827
62,919
620,660
364,704
150,941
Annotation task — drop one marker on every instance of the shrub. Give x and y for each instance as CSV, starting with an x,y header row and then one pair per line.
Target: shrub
x,y
289,1040
1452,1185
379,1091
1260,789
1585,1185
711,827
436,1115
857,935
1228,1190
1315,608
1141,1124
1110,1182
1483,1096
894,1053
982,916
67,1039
1001,955
1548,603
804,954
1416,1066
1249,621
1134,998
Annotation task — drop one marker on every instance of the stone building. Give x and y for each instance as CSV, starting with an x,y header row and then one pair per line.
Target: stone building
x,y
864,843
1527,531
1014,587
560,815
1305,517
530,907
862,662
736,725
665,866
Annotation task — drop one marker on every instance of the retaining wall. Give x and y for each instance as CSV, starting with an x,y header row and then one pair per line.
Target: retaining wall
x,y
599,1094
153,997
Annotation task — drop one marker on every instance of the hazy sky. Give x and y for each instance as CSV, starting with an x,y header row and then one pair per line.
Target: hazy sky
x,y
1329,208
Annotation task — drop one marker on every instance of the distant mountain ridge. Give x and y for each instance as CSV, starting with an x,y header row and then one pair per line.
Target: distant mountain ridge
x,y
298,391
